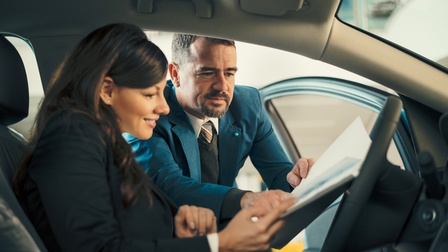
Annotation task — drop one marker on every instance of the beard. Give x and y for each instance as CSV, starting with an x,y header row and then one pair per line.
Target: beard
x,y
212,110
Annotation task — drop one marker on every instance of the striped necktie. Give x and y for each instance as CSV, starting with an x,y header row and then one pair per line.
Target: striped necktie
x,y
208,152
206,131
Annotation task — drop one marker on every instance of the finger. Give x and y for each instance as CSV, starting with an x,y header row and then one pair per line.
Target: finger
x,y
307,167
207,222
311,162
180,215
202,221
255,211
263,201
262,241
211,221
282,195
182,229
268,217
275,194
303,167
190,219
276,197
293,179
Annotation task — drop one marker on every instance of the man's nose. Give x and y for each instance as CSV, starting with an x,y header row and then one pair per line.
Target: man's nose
x,y
221,82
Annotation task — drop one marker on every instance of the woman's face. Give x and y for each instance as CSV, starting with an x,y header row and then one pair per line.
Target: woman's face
x,y
139,109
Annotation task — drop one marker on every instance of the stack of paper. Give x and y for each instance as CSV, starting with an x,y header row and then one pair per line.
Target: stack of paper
x,y
329,177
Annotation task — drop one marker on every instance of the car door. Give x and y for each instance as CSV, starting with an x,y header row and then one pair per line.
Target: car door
x,y
309,113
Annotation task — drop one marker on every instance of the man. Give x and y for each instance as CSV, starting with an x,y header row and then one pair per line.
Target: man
x,y
202,89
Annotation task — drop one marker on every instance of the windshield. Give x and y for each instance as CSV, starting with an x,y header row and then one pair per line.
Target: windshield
x,y
417,25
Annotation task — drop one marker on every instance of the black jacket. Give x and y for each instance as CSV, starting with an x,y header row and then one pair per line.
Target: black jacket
x,y
75,200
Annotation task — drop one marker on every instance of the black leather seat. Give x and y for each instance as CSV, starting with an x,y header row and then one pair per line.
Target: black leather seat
x,y
16,231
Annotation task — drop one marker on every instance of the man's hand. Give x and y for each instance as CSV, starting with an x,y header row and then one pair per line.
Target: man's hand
x,y
300,171
267,199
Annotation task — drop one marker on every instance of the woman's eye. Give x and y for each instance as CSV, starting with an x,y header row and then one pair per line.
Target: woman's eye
x,y
149,95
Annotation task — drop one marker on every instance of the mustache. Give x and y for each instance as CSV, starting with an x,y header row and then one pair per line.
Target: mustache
x,y
217,94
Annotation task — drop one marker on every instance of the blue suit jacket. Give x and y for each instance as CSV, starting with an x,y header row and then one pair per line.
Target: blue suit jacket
x,y
171,155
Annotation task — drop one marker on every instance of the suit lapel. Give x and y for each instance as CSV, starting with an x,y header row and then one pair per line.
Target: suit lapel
x,y
189,144
229,146
184,131
229,141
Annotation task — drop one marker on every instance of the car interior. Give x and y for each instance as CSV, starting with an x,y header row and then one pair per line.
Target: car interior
x,y
386,208
17,232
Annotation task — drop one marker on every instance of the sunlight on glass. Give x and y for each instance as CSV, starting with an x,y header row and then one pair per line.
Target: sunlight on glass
x,y
418,25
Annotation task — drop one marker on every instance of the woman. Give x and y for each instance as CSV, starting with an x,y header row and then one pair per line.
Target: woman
x,y
81,184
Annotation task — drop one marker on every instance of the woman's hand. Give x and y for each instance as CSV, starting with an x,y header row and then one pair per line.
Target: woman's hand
x,y
192,221
253,227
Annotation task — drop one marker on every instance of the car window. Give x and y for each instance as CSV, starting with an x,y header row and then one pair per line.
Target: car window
x,y
315,111
259,66
315,121
418,25
35,89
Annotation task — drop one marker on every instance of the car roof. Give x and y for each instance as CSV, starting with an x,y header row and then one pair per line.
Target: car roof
x,y
309,28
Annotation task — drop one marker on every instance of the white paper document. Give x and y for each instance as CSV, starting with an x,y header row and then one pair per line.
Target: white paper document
x,y
339,164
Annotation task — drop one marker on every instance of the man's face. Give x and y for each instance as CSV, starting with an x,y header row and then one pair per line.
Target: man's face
x,y
204,86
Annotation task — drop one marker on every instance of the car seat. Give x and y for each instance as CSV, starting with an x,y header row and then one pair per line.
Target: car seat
x,y
16,231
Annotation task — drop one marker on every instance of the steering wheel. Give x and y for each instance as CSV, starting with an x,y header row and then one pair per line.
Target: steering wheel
x,y
371,170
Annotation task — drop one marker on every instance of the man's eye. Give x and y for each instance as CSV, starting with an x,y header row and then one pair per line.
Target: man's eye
x,y
205,73
230,74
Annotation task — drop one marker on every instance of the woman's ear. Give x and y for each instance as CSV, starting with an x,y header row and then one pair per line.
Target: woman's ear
x,y
107,88
173,68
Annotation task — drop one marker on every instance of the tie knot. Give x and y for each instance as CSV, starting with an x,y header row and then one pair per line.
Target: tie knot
x,y
208,125
207,131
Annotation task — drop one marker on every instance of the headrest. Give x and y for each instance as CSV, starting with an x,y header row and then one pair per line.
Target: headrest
x,y
14,97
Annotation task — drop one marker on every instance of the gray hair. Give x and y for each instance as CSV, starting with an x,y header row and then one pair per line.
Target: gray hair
x,y
180,46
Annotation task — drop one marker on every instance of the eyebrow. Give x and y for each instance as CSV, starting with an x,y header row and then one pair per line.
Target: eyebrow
x,y
214,69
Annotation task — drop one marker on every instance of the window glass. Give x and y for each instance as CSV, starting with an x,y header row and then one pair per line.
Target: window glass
x,y
259,66
418,25
315,121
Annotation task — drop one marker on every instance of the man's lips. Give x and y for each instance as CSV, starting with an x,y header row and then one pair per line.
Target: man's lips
x,y
220,97
217,98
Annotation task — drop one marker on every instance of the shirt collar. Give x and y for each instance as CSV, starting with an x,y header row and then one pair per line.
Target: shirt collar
x,y
197,123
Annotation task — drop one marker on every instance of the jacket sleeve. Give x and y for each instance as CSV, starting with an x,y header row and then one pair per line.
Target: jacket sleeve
x,y
266,153
69,170
155,156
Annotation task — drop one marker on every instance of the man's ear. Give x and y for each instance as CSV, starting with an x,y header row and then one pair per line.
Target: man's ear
x,y
107,88
173,68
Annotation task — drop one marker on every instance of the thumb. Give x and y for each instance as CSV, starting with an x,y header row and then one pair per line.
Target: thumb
x,y
293,178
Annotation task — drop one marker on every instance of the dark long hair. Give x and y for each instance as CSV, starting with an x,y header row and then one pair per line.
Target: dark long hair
x,y
122,52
